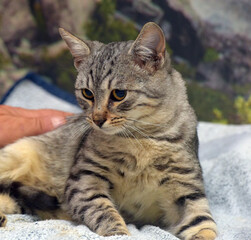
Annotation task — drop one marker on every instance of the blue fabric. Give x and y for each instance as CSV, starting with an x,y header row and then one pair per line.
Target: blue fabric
x,y
38,80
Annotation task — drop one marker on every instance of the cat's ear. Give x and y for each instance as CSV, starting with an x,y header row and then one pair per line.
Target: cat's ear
x,y
77,47
149,48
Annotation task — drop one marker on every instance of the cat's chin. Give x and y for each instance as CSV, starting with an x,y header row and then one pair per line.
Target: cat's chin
x,y
109,130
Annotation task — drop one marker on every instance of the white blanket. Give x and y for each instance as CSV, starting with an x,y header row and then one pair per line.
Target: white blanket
x,y
225,155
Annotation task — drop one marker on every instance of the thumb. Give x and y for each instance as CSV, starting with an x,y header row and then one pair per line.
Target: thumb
x,y
13,128
45,124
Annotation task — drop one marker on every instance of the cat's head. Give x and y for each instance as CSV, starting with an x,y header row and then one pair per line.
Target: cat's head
x,y
121,85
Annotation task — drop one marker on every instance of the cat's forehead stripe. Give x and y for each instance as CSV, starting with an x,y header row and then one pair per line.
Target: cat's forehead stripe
x,y
102,68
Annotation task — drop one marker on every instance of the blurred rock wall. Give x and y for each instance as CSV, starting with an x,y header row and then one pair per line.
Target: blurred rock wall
x,y
29,28
221,25
212,37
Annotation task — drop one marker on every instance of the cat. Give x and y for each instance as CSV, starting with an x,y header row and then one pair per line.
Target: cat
x,y
130,157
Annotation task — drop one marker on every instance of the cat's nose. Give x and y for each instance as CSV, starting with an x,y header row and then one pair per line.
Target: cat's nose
x,y
99,122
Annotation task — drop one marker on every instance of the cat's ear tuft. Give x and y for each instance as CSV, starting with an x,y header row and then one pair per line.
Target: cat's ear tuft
x,y
149,48
77,47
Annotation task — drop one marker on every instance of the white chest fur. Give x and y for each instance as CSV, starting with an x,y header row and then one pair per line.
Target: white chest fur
x,y
137,192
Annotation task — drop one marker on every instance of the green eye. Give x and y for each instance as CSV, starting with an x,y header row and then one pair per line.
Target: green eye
x,y
118,95
87,94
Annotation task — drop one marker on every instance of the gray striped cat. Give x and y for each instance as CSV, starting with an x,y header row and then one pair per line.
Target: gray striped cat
x,y
131,157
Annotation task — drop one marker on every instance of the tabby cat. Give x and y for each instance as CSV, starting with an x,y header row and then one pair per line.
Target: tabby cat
x,y
130,157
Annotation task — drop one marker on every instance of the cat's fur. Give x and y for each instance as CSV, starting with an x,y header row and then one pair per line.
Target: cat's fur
x,y
129,161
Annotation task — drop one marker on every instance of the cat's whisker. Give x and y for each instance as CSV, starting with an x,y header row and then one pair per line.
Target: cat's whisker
x,y
147,123
139,131
140,128
136,130
127,134
137,140
80,125
80,132
142,131
153,117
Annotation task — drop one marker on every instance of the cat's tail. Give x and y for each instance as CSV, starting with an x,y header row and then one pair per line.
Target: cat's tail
x,y
23,198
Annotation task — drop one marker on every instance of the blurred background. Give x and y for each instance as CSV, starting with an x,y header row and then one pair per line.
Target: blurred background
x,y
209,43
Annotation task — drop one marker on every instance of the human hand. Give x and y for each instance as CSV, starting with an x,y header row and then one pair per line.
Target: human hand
x,y
17,122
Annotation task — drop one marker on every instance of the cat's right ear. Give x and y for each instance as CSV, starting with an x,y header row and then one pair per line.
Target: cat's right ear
x,y
149,49
77,47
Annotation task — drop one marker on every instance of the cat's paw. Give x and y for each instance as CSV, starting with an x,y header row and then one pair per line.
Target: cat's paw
x,y
114,231
205,234
117,232
3,220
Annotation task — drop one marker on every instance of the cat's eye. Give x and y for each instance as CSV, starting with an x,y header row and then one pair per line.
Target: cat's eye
x,y
118,95
87,94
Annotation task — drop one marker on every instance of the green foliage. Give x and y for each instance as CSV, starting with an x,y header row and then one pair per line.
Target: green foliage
x,y
205,101
26,60
211,55
105,28
219,116
37,12
169,50
243,108
185,69
3,61
241,89
58,68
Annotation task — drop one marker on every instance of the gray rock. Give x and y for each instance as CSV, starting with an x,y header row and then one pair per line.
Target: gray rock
x,y
69,14
16,22
223,25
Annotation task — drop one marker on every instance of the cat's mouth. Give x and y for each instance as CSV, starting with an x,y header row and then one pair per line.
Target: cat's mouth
x,y
111,125
107,128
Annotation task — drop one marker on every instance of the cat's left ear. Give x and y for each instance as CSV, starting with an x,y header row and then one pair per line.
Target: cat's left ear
x,y
77,47
149,49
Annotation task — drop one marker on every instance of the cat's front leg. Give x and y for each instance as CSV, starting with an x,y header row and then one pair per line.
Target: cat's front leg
x,y
88,201
187,213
